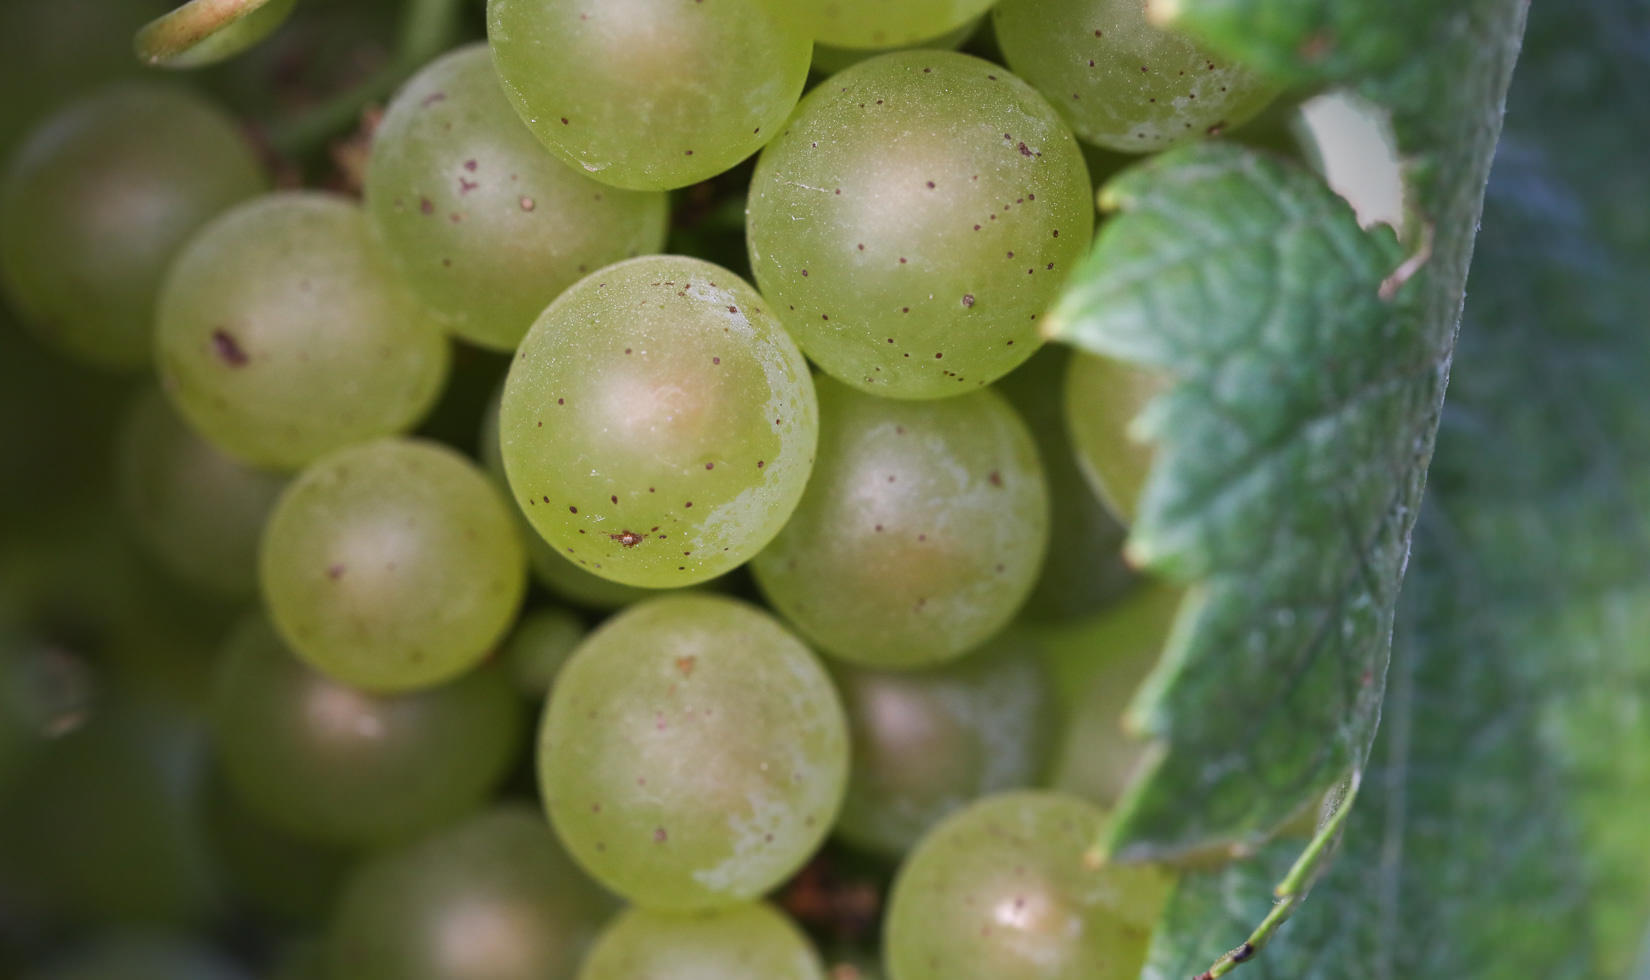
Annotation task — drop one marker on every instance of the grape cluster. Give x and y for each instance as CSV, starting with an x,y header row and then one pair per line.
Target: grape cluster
x,y
803,552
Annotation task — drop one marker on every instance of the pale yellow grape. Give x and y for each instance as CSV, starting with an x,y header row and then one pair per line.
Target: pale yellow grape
x,y
915,219
658,424
1103,399
921,533
1000,891
485,224
741,942
392,565
881,24
693,753
284,333
650,94
1121,81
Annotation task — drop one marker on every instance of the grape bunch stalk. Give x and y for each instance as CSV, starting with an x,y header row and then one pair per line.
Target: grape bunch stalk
x,y
673,373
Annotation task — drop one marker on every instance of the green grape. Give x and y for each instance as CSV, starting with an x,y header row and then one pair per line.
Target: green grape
x,y
328,763
921,533
97,202
486,226
1087,570
1098,664
283,878
141,955
650,94
693,753
928,742
195,511
104,825
914,220
1000,891
554,572
491,898
283,334
740,942
658,424
829,60
1121,81
879,24
1103,398
542,642
392,565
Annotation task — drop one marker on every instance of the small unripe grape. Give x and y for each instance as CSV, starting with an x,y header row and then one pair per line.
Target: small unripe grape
x,y
658,424
650,94
915,219
1120,80
98,201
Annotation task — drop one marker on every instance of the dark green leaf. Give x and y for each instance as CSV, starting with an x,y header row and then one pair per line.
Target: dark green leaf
x,y
1502,831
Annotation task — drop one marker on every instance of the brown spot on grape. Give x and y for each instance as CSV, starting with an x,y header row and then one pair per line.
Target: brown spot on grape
x,y
432,99
996,478
335,572
528,204
466,186
572,510
228,349
426,205
629,539
686,665
968,300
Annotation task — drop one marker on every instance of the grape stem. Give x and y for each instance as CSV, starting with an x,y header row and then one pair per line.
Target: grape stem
x,y
427,28
175,33
1290,892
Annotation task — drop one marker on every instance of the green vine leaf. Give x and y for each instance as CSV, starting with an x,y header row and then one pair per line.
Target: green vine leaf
x,y
1501,831
1309,361
1250,283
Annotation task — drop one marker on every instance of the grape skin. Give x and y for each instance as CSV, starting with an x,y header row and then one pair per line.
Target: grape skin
x,y
552,570
693,753
1121,81
649,94
542,642
482,222
658,424
196,512
328,763
284,334
97,202
741,942
1000,891
921,533
392,565
492,898
914,220
927,742
1103,398
878,24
